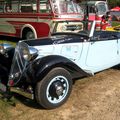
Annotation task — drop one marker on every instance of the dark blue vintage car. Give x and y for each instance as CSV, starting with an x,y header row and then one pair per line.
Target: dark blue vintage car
x,y
48,66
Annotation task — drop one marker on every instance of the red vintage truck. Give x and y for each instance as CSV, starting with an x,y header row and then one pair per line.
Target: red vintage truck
x,y
98,11
29,19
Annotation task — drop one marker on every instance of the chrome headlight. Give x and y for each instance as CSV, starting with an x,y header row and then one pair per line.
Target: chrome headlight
x,y
26,54
30,53
33,52
2,50
4,47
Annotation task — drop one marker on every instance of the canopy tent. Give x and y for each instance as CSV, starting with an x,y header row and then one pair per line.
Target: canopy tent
x,y
115,9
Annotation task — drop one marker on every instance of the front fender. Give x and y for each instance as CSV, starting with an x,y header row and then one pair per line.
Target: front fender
x,y
40,67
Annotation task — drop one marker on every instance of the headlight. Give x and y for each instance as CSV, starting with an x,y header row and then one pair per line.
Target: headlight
x,y
26,54
26,57
4,47
2,50
33,52
30,53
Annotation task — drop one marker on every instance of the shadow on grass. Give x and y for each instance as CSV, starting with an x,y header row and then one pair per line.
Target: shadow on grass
x,y
19,98
26,101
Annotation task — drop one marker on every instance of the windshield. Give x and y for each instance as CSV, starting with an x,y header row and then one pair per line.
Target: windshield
x,y
101,8
66,6
83,27
1,6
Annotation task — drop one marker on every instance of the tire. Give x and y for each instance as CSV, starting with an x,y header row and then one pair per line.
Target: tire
x,y
54,89
29,35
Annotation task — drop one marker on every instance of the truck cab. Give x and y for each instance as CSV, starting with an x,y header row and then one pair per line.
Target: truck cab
x,y
95,10
26,19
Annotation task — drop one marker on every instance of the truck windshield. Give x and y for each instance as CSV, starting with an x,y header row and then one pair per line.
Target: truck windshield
x,y
101,8
65,6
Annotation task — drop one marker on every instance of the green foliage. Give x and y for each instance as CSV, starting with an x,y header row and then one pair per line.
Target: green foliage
x,y
114,3
4,110
115,23
9,42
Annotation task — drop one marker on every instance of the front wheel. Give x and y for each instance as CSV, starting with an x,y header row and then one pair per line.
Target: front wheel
x,y
54,89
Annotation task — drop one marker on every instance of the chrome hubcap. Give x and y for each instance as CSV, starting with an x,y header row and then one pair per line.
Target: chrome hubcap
x,y
30,35
57,89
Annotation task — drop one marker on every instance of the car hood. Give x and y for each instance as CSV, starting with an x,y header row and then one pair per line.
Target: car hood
x,y
58,39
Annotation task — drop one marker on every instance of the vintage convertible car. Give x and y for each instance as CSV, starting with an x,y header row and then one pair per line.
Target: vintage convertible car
x,y
48,66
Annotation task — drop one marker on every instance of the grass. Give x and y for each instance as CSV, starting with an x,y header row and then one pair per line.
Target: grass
x,y
115,23
18,97
7,106
4,110
9,42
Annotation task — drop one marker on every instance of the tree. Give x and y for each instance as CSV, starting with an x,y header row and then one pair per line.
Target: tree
x,y
114,3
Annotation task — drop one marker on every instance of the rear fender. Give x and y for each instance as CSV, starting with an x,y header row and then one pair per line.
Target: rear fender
x,y
41,67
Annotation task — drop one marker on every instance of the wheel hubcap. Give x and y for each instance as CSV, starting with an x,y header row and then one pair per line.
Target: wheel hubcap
x,y
57,89
30,35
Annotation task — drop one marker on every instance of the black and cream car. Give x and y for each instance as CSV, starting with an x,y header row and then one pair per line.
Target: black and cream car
x,y
49,65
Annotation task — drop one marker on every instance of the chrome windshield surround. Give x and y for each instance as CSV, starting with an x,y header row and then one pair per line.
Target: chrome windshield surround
x,y
19,63
66,7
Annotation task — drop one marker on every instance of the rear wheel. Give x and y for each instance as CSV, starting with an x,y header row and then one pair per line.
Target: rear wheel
x,y
29,35
54,89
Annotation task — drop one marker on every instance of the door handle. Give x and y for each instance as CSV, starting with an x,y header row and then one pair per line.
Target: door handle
x,y
93,42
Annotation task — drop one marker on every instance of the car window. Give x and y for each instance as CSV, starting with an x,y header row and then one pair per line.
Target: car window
x,y
105,35
28,6
101,8
2,7
45,6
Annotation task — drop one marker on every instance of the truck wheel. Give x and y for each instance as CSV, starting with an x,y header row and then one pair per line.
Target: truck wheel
x,y
54,89
29,35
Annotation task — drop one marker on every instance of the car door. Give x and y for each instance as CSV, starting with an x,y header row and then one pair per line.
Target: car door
x,y
72,51
118,40
102,52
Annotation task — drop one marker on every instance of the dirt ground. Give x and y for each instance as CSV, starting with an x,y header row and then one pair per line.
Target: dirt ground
x,y
93,98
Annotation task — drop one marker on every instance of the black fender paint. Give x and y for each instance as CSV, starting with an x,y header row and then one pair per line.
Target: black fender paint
x,y
5,65
40,68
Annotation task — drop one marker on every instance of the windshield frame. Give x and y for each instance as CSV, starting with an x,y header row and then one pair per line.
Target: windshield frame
x,y
65,7
88,30
100,9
